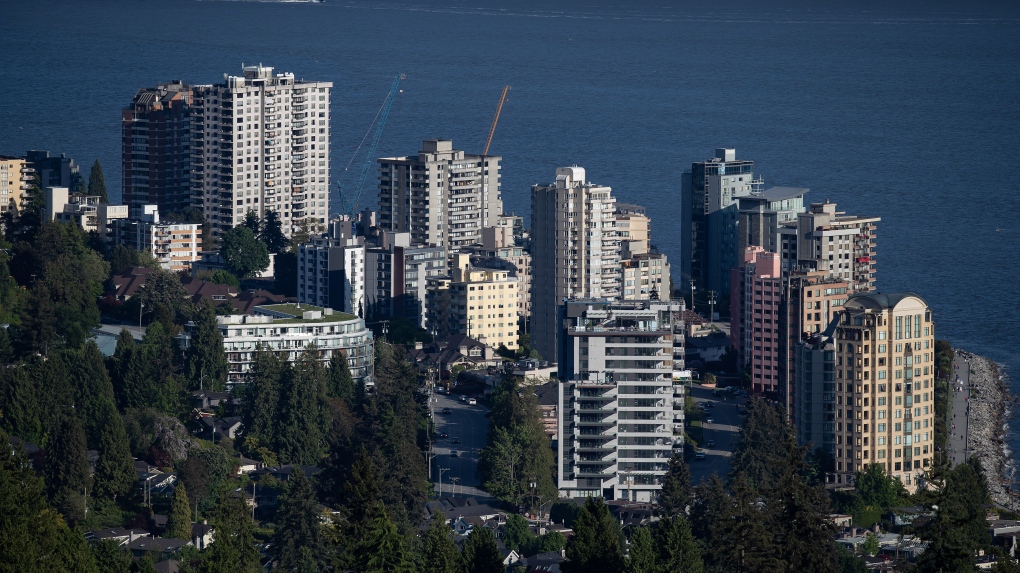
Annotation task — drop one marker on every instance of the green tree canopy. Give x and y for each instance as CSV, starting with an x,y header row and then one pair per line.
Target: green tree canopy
x,y
272,233
642,555
164,297
178,525
97,183
439,554
595,546
762,448
481,554
206,361
298,526
67,469
244,255
678,550
383,549
677,493
234,549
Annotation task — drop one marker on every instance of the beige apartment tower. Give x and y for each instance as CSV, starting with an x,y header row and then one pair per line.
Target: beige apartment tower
x,y
261,143
15,177
866,389
477,302
442,196
575,249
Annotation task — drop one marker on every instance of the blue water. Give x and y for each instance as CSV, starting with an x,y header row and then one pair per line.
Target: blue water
x,y
908,112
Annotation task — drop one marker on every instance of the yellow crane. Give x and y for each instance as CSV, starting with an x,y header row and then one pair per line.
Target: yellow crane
x,y
495,120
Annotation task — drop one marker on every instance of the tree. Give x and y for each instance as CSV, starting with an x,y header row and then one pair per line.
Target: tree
x,y
878,489
164,297
300,436
115,472
206,360
595,546
299,529
959,527
252,222
340,381
222,277
194,474
383,549
805,536
481,554
178,525
272,232
72,553
742,532
517,535
92,391
641,557
38,330
111,557
439,554
848,562
143,565
262,396
762,448
361,497
67,469
870,545
97,183
243,253
677,493
234,549
678,552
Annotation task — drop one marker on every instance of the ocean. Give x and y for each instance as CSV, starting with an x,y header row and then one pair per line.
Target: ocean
x,y
905,110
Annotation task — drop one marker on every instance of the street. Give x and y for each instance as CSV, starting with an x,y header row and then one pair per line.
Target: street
x,y
469,424
959,411
725,431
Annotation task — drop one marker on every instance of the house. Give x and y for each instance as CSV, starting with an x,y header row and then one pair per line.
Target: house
x,y
199,290
159,522
454,508
120,536
151,480
207,400
247,465
453,350
840,520
202,534
548,562
157,548
283,473
214,429
535,371
31,451
509,555
900,516
700,350
246,302
632,514
125,285
263,499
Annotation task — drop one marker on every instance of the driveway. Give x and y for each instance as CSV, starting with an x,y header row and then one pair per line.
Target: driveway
x,y
469,424
725,431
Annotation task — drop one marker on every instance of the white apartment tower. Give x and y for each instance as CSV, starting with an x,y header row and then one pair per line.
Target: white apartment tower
x,y
575,249
442,197
261,143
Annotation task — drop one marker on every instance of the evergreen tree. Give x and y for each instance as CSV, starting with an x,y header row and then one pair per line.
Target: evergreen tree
x,y
959,527
878,489
361,497
481,554
73,553
595,546
677,493
298,526
206,360
38,330
439,554
234,549
97,183
150,376
67,469
12,296
21,406
252,222
641,557
272,232
710,503
340,381
164,298
111,557
517,535
91,389
243,253
262,397
384,550
678,552
303,411
762,448
805,535
143,565
742,534
115,472
178,525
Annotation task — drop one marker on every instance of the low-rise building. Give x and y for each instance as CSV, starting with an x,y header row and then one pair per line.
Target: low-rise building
x,y
288,330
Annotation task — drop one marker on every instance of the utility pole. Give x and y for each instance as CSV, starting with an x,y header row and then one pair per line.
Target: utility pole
x,y
692,295
711,306
441,470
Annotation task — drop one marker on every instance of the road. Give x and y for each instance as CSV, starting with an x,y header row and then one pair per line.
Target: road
x,y
469,424
725,431
959,386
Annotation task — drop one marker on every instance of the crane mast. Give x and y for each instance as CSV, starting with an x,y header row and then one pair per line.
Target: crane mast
x,y
495,120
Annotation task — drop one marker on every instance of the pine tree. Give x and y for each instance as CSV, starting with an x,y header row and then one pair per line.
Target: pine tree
x,y
677,493
92,390
361,496
340,381
956,532
762,448
97,183
178,525
805,535
299,529
262,397
641,557
517,535
272,232
234,549
252,222
115,472
383,550
595,546
742,534
678,552
300,437
67,469
111,557
206,360
73,553
38,330
439,554
481,554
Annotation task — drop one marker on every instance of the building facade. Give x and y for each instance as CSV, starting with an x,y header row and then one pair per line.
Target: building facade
x,y
645,277
575,250
15,177
476,302
331,273
841,245
761,214
397,275
755,310
620,397
442,196
55,171
287,330
261,143
175,245
866,387
156,149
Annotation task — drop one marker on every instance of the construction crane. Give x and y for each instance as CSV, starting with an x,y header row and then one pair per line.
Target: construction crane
x,y
495,120
350,207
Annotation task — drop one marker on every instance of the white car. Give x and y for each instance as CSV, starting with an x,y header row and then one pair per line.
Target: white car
x,y
472,402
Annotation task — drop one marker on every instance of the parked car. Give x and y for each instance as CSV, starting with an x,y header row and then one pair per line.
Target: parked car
x,y
447,411
709,421
443,436
455,440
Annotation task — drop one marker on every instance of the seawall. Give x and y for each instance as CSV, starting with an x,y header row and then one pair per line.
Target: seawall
x,y
990,404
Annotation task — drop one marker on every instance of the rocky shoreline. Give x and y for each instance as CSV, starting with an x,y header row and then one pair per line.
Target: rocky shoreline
x,y
990,405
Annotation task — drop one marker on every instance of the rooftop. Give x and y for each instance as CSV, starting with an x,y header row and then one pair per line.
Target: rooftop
x,y
296,310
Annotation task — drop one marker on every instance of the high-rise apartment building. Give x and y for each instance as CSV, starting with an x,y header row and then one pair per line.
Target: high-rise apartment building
x,y
15,177
396,277
709,202
810,300
761,214
645,277
55,171
755,311
499,251
476,302
331,272
634,229
261,143
442,196
575,250
866,387
620,411
175,245
841,245
156,149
